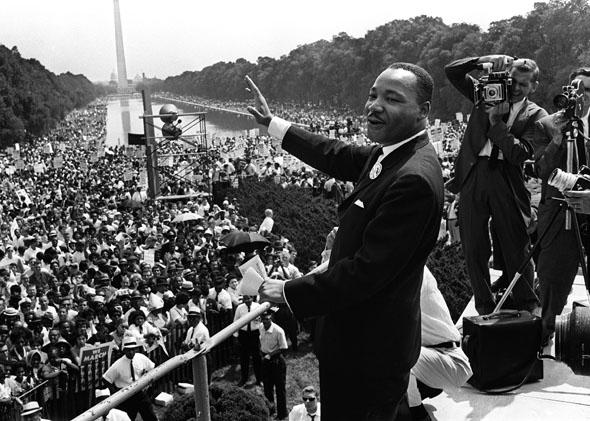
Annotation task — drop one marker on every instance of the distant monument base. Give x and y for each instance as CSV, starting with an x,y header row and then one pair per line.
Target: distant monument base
x,y
127,90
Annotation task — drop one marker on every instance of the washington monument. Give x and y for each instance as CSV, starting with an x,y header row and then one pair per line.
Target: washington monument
x,y
121,68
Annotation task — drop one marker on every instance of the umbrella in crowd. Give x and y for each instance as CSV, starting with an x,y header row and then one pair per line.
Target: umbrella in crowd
x,y
188,216
237,241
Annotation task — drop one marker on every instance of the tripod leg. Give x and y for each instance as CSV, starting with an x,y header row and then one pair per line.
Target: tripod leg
x,y
526,261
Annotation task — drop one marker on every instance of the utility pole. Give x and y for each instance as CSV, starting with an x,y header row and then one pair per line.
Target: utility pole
x,y
151,151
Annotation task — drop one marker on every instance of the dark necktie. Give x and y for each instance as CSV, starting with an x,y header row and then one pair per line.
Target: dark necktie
x,y
311,416
249,329
132,370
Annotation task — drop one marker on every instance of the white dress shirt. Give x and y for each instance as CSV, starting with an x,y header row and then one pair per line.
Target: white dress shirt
x,y
199,333
299,413
241,311
119,373
272,339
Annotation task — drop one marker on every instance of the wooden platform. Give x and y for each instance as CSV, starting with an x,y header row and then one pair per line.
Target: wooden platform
x,y
561,395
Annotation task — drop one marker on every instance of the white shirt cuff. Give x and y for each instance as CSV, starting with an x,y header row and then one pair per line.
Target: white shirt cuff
x,y
278,127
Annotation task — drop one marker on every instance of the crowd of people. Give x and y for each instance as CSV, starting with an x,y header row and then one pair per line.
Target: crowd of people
x,y
86,258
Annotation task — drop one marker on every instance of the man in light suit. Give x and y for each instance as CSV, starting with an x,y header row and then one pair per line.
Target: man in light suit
x,y
489,175
368,332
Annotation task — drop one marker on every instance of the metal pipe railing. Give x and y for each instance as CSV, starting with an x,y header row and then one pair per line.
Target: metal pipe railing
x,y
122,395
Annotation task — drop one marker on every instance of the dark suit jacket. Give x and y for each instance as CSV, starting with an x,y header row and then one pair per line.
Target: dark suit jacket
x,y
370,295
548,157
515,144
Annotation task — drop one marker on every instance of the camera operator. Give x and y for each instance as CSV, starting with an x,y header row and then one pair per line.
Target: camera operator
x,y
558,258
489,175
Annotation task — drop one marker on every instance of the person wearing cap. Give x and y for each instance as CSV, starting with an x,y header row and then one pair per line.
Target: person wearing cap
x,y
114,414
249,340
310,409
274,369
197,333
126,370
32,412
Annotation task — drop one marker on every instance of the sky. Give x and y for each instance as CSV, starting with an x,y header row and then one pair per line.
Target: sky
x,y
166,38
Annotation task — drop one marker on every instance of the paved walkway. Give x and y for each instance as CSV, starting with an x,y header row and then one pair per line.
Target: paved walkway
x,y
561,395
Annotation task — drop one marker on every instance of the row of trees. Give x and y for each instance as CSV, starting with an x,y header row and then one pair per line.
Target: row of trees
x,y
340,71
33,99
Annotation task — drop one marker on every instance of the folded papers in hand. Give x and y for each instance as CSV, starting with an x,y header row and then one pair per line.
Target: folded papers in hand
x,y
250,283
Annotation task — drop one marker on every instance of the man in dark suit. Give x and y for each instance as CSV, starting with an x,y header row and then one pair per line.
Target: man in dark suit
x,y
559,258
368,334
489,176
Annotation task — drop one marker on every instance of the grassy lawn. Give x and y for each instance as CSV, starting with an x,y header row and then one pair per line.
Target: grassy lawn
x,y
302,370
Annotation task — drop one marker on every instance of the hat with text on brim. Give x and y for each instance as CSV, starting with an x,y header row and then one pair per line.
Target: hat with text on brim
x,y
130,342
30,408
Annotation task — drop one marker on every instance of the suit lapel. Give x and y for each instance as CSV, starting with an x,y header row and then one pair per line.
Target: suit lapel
x,y
520,119
389,161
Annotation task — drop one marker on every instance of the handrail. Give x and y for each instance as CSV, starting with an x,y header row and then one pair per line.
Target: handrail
x,y
22,396
122,395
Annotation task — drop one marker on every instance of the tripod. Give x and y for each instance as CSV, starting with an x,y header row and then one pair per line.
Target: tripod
x,y
571,132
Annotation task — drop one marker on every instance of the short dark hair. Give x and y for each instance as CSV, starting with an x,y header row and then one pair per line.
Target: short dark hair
x,y
424,82
526,65
581,71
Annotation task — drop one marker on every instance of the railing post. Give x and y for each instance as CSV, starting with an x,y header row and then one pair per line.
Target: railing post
x,y
201,385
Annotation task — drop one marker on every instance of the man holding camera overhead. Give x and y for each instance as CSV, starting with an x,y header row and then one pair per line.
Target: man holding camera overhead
x,y
559,258
489,171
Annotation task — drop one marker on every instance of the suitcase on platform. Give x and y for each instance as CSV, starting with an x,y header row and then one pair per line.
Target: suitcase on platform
x,y
502,348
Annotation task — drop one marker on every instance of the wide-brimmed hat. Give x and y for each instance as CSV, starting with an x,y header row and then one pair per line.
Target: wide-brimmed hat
x,y
30,408
194,311
130,342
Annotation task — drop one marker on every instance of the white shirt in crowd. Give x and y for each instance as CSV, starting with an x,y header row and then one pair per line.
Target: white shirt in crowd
x,y
242,310
266,225
299,413
119,373
222,297
198,333
272,339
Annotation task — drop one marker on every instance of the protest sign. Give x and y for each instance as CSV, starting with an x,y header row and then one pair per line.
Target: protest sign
x,y
89,354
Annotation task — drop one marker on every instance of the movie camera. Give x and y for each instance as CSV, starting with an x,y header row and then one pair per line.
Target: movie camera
x,y
492,88
571,99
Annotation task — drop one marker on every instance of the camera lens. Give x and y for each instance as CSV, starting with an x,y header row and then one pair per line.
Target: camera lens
x,y
560,101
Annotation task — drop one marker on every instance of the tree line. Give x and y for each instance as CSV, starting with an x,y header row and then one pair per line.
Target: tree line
x,y
339,72
33,99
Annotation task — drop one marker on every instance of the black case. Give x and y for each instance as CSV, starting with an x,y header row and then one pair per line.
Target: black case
x,y
502,348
